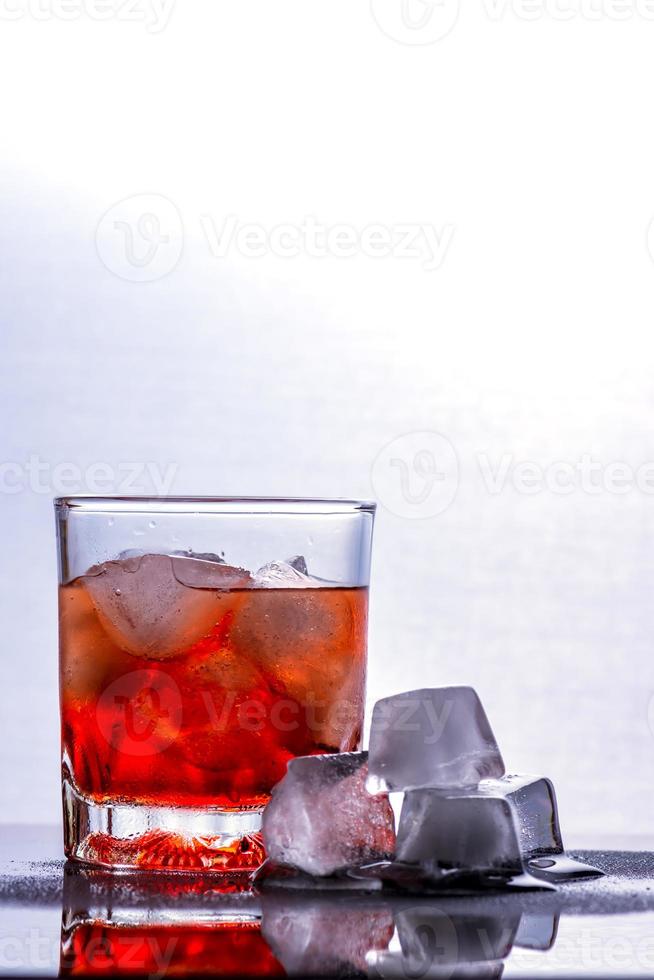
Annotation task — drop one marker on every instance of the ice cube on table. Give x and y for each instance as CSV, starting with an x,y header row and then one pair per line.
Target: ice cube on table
x,y
443,833
534,800
541,843
321,819
504,826
146,610
435,737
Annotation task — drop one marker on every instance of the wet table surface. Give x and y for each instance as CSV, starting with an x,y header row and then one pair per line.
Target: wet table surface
x,y
59,918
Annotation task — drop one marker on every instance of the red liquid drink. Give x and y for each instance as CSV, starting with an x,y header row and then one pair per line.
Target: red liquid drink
x,y
187,684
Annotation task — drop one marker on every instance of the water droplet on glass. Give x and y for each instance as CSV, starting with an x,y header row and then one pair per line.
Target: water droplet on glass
x,y
152,524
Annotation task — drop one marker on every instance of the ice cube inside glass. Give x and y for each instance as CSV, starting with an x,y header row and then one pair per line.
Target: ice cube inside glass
x,y
203,644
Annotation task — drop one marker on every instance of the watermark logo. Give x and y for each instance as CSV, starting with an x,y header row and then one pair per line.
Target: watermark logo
x,y
140,713
420,22
416,475
140,238
563,11
564,477
312,238
427,945
154,14
37,475
414,715
415,21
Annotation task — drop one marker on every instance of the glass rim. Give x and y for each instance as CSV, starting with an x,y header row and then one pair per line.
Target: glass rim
x,y
176,504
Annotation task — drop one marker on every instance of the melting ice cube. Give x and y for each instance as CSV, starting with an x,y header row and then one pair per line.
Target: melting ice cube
x,y
443,833
321,820
431,738
504,826
534,800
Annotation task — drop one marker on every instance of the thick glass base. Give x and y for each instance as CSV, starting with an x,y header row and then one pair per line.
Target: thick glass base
x,y
130,835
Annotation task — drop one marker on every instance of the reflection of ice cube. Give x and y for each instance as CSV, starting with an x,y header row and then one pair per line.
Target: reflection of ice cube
x,y
312,937
537,931
434,943
431,738
394,966
427,929
146,610
290,574
321,820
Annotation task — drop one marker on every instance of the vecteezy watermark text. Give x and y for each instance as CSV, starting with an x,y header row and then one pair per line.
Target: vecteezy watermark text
x,y
154,14
314,239
141,238
147,955
565,10
417,475
586,474
142,713
419,22
38,475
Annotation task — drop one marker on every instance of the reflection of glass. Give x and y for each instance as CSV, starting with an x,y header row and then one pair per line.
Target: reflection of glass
x,y
230,948
163,925
159,926
197,658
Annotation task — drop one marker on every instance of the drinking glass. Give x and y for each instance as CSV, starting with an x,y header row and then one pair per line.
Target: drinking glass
x,y
204,642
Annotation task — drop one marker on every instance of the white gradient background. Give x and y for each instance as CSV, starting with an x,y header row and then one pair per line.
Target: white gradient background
x,y
288,376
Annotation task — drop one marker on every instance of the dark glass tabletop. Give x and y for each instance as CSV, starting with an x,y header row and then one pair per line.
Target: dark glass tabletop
x,y
57,918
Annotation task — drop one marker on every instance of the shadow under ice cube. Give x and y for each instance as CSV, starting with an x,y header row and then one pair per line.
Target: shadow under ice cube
x,y
435,737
